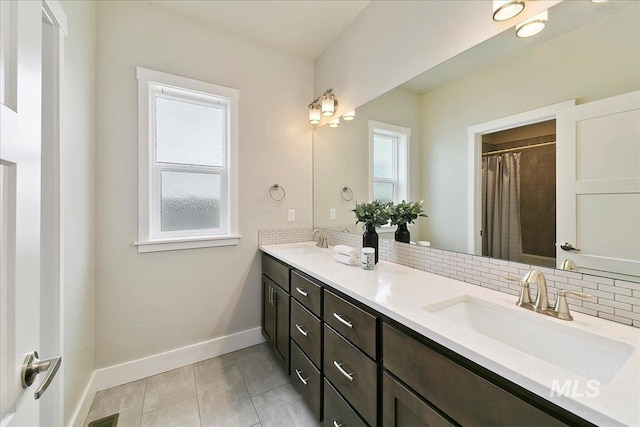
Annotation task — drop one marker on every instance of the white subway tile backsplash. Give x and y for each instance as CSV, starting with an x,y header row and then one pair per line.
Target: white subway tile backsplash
x,y
615,304
618,319
615,290
628,285
615,300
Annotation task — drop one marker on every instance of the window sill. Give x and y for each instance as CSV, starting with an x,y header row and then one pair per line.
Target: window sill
x,y
186,243
384,229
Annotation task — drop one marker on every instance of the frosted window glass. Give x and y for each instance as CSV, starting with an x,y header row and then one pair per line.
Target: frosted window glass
x,y
190,201
383,191
190,133
383,148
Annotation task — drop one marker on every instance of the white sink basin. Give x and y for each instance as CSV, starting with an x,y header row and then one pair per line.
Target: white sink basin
x,y
589,355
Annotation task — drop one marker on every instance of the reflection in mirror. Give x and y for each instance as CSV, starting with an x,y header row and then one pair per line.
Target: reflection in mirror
x,y
589,52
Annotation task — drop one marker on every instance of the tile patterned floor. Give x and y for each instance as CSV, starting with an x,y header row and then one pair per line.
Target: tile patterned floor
x,y
246,388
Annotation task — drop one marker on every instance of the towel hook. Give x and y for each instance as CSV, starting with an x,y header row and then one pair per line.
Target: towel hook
x,y
276,188
346,194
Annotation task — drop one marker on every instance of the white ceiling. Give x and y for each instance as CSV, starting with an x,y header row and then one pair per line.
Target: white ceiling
x,y
299,27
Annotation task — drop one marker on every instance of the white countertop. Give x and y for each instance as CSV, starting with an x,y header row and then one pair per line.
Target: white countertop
x,y
401,293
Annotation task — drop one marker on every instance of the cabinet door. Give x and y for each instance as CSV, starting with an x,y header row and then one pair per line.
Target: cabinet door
x,y
281,340
402,408
268,318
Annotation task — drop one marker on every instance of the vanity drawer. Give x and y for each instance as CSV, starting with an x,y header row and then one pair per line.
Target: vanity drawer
x,y
306,330
307,292
466,397
306,379
353,323
337,411
352,373
276,271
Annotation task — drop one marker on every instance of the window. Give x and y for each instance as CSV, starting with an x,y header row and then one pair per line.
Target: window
x,y
187,163
389,170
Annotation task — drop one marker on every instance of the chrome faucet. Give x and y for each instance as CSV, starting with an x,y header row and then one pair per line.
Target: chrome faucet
x,y
322,240
560,310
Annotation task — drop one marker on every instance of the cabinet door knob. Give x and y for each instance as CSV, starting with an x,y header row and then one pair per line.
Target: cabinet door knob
x,y
343,320
302,292
338,365
337,424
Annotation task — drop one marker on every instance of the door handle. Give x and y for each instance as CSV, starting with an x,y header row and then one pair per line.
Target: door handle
x,y
566,246
32,366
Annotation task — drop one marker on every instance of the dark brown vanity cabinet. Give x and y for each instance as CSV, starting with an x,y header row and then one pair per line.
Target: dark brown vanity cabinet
x,y
275,307
402,407
356,367
350,355
464,396
306,340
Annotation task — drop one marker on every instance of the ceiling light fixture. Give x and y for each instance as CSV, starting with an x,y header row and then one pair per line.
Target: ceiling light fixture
x,y
334,123
503,10
350,115
533,25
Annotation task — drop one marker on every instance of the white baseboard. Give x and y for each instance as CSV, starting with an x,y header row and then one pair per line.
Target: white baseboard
x,y
82,410
123,373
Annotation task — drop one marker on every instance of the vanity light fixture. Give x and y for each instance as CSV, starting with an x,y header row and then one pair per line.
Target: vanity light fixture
x,y
533,25
314,112
324,105
329,103
503,10
350,115
334,123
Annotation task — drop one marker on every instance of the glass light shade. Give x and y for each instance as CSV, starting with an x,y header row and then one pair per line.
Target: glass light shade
x,y
350,115
314,114
504,10
328,104
334,123
533,25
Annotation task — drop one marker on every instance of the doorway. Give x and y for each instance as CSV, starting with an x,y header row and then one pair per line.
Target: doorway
x,y
475,138
520,225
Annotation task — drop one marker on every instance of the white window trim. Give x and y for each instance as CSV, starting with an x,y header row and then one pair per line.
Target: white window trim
x,y
402,153
146,242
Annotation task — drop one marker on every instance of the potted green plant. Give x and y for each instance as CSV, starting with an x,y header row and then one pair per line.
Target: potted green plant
x,y
372,214
402,214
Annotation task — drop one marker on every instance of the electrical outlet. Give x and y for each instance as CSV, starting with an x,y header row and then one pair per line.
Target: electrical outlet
x,y
292,215
332,214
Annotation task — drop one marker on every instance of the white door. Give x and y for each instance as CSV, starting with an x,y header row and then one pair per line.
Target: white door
x,y
598,184
20,199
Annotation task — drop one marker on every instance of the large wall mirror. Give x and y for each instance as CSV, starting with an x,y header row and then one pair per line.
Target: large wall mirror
x,y
509,91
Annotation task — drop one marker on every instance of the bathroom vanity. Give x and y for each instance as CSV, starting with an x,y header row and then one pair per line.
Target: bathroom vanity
x,y
391,347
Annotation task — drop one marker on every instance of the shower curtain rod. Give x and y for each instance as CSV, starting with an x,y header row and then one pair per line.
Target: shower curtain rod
x,y
508,150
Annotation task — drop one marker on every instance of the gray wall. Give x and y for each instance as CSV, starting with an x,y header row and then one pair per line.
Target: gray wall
x,y
151,303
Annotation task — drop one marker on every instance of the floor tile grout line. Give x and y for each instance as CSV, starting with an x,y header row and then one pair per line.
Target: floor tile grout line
x,y
195,380
267,391
247,388
144,397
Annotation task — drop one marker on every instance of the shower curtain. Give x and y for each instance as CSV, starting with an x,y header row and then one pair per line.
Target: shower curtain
x,y
501,229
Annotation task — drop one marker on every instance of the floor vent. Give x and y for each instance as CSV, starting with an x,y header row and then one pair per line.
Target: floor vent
x,y
110,421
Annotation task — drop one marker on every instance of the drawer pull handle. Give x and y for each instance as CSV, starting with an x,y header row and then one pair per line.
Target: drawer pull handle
x,y
302,292
304,381
343,320
338,365
337,424
302,331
